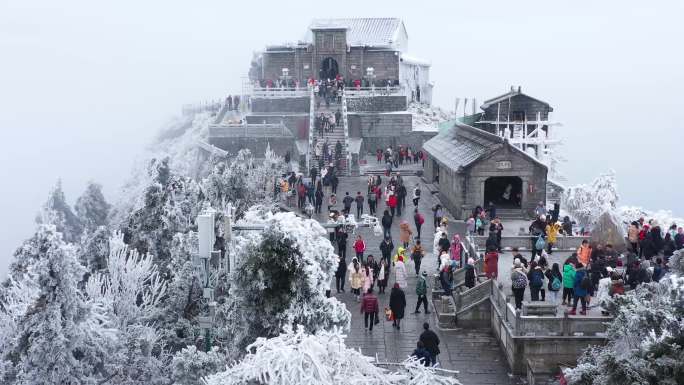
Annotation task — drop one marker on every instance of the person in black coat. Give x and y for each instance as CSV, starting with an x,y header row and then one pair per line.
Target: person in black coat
x,y
318,200
341,237
334,181
386,222
339,275
397,304
431,342
470,274
386,247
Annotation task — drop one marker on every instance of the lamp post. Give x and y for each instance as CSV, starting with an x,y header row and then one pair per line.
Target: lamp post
x,y
285,77
370,77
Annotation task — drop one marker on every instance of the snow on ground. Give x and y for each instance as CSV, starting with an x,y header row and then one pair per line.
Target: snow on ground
x,y
428,118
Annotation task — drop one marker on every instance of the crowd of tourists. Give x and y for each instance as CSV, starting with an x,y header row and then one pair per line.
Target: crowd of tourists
x,y
595,271
393,158
326,122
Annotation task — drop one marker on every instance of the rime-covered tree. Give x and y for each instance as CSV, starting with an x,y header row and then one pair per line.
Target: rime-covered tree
x,y
169,205
61,338
586,203
57,211
281,277
242,181
94,248
645,340
177,316
298,357
92,208
131,291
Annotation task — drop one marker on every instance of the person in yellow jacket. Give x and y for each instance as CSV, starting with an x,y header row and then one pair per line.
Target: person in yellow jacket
x,y
552,230
400,252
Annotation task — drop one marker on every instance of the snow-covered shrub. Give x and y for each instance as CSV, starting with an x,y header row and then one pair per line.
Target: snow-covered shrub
x,y
297,357
190,365
645,340
586,203
280,279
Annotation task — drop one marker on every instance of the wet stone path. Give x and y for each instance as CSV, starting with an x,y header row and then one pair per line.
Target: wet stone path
x,y
474,353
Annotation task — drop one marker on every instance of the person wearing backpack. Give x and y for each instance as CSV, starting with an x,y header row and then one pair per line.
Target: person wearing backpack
x,y
581,289
418,219
536,278
421,292
537,236
555,282
518,282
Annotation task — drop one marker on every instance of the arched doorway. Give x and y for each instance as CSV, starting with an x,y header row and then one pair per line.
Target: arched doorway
x,y
503,191
329,69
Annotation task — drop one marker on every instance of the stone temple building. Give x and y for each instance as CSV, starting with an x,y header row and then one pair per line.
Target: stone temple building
x,y
348,47
380,78
502,157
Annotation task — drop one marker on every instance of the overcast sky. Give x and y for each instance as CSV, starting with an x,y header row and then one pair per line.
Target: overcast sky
x,y
84,86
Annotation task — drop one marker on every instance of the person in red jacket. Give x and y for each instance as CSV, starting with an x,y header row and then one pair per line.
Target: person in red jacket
x,y
492,262
392,201
369,309
359,247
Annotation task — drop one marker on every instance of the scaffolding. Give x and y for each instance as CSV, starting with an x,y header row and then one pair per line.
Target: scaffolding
x,y
534,137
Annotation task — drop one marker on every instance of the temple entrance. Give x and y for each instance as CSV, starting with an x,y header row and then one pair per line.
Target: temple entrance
x,y
503,191
329,69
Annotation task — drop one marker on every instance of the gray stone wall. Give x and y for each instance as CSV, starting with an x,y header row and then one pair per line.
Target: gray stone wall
x,y
289,104
368,125
274,62
352,65
380,103
533,177
298,124
461,192
385,64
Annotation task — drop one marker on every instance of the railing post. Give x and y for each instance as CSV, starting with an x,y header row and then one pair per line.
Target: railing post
x,y
565,324
518,322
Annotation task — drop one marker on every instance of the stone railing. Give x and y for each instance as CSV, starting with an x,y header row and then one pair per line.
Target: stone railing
x,y
464,300
525,242
264,92
353,92
312,120
248,130
522,325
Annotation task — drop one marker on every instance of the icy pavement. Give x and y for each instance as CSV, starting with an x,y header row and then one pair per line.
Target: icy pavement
x,y
473,352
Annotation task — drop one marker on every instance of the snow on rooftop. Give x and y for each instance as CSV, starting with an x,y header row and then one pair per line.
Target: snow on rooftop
x,y
367,31
428,118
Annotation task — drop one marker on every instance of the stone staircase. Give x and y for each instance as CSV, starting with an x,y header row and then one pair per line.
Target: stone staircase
x,y
332,137
505,213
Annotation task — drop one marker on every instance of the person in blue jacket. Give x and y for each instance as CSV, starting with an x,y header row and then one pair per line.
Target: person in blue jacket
x,y
581,287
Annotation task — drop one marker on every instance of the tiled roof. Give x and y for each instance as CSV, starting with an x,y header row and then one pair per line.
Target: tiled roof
x,y
461,145
507,95
372,32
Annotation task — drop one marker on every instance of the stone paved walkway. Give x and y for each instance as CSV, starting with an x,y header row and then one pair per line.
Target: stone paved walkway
x,y
475,353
